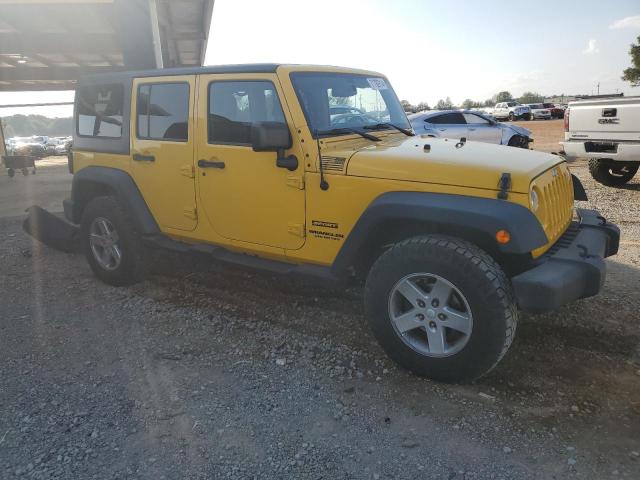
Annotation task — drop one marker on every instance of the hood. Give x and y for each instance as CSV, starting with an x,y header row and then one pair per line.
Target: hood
x,y
475,164
517,129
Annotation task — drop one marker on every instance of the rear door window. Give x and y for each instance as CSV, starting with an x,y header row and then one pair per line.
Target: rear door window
x,y
163,112
99,111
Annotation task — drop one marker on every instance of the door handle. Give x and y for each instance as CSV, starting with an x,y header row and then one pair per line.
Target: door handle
x,y
211,164
472,129
138,157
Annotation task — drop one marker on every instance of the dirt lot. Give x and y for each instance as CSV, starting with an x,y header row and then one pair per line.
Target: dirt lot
x,y
206,371
546,134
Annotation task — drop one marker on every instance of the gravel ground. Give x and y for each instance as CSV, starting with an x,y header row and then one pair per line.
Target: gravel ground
x,y
217,372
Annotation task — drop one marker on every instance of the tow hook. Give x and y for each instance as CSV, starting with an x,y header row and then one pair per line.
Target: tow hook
x,y
584,251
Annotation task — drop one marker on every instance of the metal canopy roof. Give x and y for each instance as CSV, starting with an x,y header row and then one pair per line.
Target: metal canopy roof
x,y
49,44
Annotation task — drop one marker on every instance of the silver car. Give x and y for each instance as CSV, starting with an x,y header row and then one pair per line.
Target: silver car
x,y
475,126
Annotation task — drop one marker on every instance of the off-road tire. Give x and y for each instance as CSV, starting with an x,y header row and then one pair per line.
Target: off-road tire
x,y
480,279
11,172
612,173
518,141
133,265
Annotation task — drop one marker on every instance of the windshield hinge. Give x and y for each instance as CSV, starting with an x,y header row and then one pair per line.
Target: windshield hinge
x,y
296,229
295,181
190,212
504,185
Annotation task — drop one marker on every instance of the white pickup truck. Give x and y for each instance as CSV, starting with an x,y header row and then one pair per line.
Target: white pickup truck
x,y
607,132
510,110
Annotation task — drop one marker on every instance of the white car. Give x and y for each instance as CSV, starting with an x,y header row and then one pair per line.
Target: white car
x,y
607,132
539,112
472,125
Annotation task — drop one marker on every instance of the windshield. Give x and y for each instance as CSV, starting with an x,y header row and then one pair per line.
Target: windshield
x,y
347,101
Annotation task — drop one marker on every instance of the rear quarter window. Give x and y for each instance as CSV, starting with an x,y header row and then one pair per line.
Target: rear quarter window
x,y
100,111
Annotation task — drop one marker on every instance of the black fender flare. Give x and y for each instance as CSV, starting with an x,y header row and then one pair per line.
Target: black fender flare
x,y
91,180
455,213
579,193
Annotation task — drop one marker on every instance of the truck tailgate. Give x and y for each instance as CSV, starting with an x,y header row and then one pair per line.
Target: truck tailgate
x,y
608,119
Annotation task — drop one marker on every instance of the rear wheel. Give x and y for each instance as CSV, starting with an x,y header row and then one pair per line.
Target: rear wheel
x,y
11,172
111,243
441,307
612,173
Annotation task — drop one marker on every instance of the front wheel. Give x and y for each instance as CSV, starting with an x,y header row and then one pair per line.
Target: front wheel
x,y
612,173
519,141
512,117
111,243
441,307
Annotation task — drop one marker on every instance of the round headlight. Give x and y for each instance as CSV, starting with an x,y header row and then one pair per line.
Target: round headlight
x,y
535,202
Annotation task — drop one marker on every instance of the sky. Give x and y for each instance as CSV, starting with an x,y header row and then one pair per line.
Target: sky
x,y
428,49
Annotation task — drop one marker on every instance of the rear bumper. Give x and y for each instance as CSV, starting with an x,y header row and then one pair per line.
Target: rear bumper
x,y
573,268
624,151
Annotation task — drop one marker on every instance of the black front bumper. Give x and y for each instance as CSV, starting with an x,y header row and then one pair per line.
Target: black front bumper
x,y
573,268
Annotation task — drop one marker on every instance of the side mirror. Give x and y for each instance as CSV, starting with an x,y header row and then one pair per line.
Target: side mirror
x,y
273,137
270,136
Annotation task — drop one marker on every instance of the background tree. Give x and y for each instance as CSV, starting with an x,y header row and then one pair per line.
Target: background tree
x,y
489,102
27,125
531,97
503,96
407,107
423,106
469,104
632,74
444,104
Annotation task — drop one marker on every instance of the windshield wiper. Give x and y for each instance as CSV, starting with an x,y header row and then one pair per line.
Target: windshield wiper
x,y
379,126
335,131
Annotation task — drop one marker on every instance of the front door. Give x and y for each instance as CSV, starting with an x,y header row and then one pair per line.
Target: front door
x,y
244,194
450,125
162,150
482,130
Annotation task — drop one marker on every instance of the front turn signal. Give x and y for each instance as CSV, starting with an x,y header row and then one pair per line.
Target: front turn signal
x,y
503,237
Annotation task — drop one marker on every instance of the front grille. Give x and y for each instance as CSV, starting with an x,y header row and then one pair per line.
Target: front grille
x,y
555,193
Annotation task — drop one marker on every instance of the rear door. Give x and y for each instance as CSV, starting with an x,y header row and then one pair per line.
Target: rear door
x,y
481,129
501,111
450,125
162,134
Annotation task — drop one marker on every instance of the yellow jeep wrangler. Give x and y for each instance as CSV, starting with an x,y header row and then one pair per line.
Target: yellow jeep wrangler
x,y
315,170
